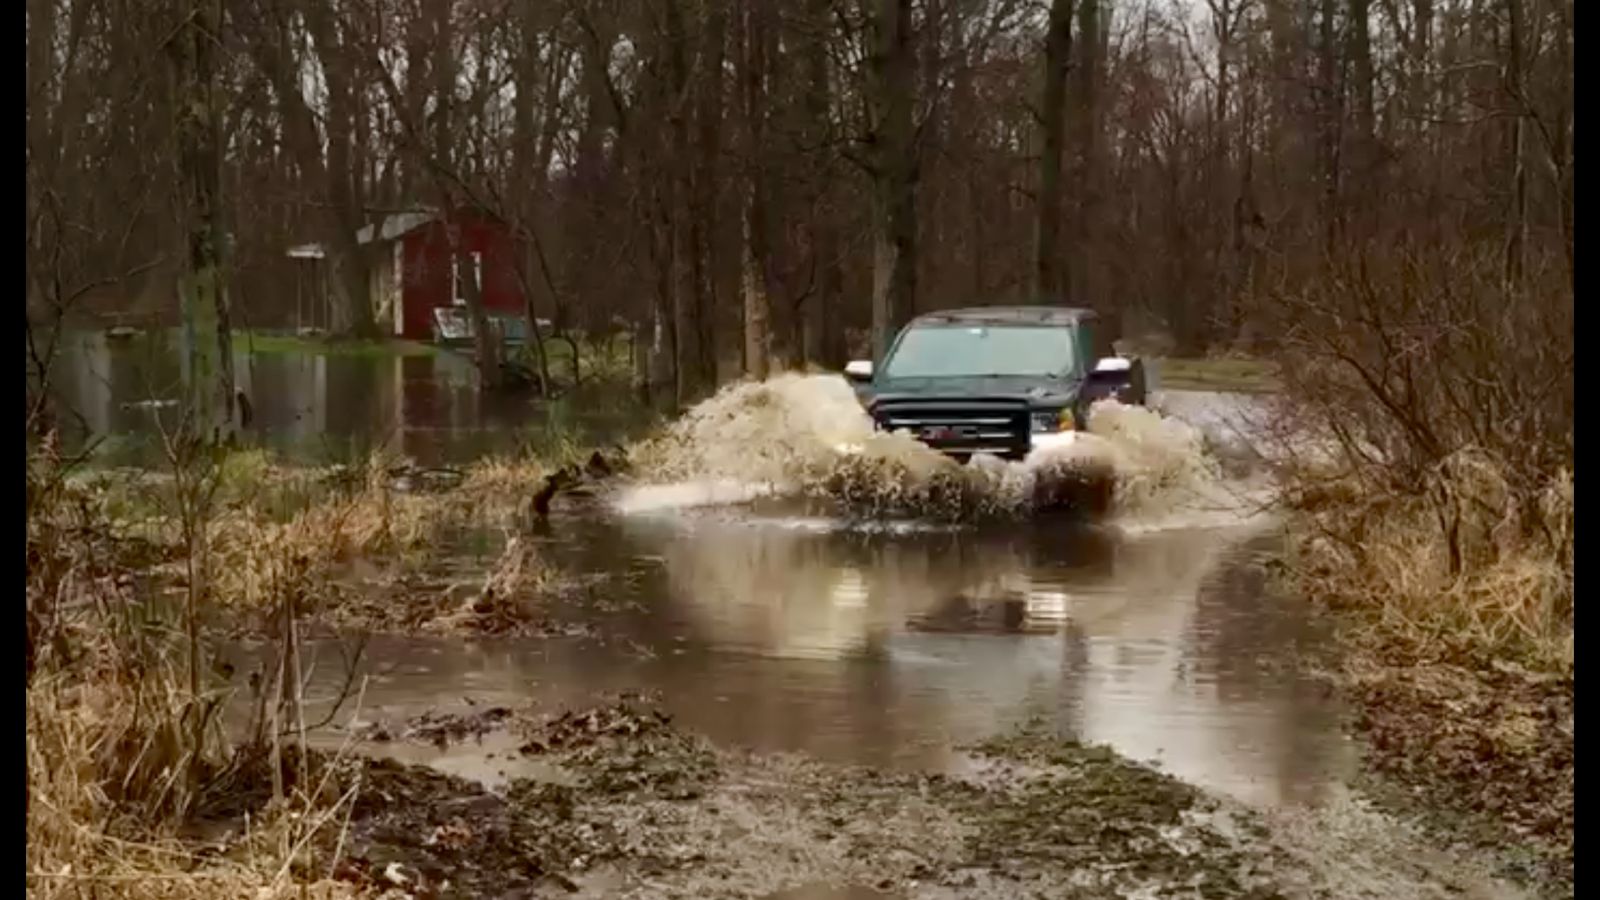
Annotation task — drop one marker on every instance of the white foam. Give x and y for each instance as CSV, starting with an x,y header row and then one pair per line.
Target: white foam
x,y
807,436
649,498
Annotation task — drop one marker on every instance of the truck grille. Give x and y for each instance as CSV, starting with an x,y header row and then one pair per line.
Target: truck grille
x,y
960,427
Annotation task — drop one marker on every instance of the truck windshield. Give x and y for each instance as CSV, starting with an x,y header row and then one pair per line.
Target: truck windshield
x,y
954,351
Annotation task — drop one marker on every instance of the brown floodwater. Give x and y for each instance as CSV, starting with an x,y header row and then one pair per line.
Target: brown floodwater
x,y
891,645
894,646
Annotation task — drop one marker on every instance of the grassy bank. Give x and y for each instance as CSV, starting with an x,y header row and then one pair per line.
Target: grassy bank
x,y
271,342
123,737
594,359
1230,374
135,788
365,546
1426,458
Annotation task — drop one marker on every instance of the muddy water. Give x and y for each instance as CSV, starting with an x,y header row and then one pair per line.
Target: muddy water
x,y
892,646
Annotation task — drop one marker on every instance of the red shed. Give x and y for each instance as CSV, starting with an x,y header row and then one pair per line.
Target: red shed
x,y
414,271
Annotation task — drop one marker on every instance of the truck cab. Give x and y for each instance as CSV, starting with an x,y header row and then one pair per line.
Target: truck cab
x,y
997,380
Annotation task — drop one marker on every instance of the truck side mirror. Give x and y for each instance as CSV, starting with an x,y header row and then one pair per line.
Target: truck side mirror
x,y
858,370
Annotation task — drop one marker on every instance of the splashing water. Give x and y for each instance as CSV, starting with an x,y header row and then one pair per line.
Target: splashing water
x,y
807,437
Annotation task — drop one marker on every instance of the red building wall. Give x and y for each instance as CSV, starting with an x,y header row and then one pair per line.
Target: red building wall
x,y
425,271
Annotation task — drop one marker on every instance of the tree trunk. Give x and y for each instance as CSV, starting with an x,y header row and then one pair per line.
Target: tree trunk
x,y
822,330
1360,40
706,260
1087,105
1517,220
894,256
690,382
659,359
1563,134
444,83
1330,88
533,149
204,292
1418,89
757,300
1048,278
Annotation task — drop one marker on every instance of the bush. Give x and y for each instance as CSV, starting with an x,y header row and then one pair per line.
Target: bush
x,y
1436,483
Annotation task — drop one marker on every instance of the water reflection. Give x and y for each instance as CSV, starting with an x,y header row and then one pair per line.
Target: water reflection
x,y
319,407
892,649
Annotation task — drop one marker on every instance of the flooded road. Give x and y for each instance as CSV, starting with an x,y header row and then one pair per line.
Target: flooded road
x,y
882,644
782,578
893,647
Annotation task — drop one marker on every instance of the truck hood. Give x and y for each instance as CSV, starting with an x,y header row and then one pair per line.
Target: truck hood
x,y
1045,392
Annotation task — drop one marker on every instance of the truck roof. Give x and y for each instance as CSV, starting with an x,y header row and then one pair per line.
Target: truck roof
x,y
1007,315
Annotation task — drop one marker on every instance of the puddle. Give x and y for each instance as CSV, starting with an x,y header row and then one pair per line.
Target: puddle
x,y
892,648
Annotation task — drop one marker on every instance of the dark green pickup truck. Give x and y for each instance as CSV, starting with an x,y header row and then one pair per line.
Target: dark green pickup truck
x,y
997,380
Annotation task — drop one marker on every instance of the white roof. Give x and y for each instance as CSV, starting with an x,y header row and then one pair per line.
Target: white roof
x,y
396,225
393,227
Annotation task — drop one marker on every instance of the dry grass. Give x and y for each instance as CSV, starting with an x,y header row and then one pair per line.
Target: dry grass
x,y
336,539
123,743
510,596
1439,402
124,748
279,528
103,762
1460,568
1243,375
505,477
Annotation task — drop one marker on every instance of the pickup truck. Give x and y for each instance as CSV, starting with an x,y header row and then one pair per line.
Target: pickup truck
x,y
998,380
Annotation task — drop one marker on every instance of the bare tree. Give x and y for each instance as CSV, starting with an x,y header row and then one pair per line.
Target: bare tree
x,y
1049,280
737,182
208,345
757,299
893,166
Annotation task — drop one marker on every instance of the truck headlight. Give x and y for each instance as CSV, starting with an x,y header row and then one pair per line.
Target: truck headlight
x,y
1051,421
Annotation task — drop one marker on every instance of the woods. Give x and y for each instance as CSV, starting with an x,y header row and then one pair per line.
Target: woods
x,y
544,307
754,187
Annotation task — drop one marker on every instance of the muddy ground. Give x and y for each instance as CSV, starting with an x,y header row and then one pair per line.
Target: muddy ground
x,y
637,807
1478,752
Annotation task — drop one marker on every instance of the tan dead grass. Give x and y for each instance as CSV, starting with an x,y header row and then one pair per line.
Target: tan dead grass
x,y
1461,567
122,742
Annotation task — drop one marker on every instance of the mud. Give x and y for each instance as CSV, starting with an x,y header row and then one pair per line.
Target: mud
x,y
639,807
435,727
419,605
652,811
1480,755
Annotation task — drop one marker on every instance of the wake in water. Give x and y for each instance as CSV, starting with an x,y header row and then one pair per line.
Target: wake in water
x,y
807,437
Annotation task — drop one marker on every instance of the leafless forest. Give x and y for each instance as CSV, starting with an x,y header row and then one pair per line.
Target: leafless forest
x,y
758,185
1370,200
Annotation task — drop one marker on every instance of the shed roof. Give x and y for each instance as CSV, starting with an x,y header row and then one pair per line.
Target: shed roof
x,y
392,226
